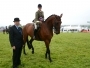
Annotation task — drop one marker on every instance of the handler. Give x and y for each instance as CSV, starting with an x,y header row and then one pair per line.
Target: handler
x,y
16,41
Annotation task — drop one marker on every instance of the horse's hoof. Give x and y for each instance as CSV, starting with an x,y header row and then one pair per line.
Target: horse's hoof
x,y
25,53
32,52
45,57
50,61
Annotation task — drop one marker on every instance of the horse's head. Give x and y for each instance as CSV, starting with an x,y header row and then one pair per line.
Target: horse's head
x,y
57,23
54,21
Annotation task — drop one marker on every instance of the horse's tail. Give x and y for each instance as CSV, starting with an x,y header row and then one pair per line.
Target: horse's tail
x,y
28,43
25,37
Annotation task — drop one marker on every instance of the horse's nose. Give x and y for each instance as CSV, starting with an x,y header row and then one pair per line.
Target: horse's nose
x,y
57,32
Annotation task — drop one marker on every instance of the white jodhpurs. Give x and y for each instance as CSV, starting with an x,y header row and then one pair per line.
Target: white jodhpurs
x,y
35,26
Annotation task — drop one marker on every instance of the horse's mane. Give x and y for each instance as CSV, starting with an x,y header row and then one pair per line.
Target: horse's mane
x,y
49,17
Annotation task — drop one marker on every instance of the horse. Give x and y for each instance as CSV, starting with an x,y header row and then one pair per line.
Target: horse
x,y
44,33
6,30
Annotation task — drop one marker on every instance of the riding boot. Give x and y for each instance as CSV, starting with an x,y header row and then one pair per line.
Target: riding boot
x,y
34,33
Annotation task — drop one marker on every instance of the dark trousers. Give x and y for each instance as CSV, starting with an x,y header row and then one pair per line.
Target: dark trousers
x,y
16,56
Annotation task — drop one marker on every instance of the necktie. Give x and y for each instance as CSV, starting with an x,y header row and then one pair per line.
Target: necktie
x,y
19,29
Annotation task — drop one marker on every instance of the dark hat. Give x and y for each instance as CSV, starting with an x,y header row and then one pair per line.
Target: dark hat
x,y
16,19
39,5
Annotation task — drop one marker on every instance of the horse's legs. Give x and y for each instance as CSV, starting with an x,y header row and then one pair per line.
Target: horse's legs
x,y
47,50
24,50
32,49
25,36
46,54
31,40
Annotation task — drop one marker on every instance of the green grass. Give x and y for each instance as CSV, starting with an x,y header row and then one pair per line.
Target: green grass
x,y
68,50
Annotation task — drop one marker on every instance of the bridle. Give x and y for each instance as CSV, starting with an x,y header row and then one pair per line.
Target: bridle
x,y
55,24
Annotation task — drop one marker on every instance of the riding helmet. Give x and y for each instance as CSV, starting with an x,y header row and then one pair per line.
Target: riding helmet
x,y
39,6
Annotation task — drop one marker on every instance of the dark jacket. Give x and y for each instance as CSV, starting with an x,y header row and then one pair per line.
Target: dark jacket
x,y
16,37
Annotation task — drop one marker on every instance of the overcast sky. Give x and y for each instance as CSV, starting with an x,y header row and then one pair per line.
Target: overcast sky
x,y
74,11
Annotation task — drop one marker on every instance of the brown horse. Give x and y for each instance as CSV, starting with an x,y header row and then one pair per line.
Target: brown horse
x,y
44,33
6,30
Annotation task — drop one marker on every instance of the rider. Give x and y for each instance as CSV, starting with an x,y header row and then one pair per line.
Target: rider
x,y
39,17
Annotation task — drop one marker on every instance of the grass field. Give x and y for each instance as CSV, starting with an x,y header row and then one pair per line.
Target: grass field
x,y
68,50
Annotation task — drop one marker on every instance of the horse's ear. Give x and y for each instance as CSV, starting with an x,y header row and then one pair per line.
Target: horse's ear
x,y
61,15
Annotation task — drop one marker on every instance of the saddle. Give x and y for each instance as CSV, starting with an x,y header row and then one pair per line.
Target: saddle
x,y
37,31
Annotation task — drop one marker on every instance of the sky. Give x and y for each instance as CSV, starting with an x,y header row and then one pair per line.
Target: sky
x,y
75,12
